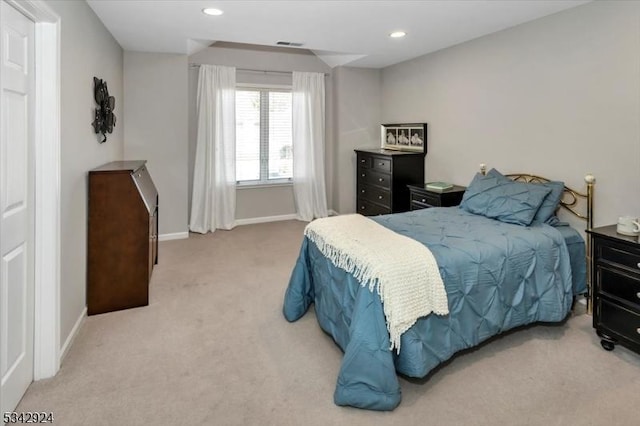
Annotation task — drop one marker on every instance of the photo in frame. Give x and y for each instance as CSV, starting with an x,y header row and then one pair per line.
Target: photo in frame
x,y
404,137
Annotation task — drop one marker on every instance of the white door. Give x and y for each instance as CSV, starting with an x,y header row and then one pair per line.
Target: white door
x,y
16,205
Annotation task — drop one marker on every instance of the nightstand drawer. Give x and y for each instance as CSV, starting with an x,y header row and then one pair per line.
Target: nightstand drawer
x,y
370,177
625,287
425,198
618,254
374,194
619,320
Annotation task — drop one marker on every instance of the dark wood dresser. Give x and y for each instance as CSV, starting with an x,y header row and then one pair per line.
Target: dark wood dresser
x,y
616,289
122,236
382,179
422,198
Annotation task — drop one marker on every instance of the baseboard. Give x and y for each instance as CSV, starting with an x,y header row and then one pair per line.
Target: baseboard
x,y
264,219
72,335
173,236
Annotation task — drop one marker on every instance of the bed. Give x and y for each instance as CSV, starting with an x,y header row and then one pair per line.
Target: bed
x,y
497,274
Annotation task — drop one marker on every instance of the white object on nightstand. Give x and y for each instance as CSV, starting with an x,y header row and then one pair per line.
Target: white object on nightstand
x,y
628,225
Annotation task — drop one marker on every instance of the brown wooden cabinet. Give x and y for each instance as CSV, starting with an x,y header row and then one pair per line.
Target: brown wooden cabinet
x,y
122,236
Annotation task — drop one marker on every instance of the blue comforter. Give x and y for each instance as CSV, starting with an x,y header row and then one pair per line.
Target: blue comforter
x,y
497,276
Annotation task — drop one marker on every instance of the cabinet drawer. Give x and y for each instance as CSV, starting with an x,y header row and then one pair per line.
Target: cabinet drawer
x,y
367,208
374,194
364,161
381,164
618,254
423,198
619,320
371,177
620,285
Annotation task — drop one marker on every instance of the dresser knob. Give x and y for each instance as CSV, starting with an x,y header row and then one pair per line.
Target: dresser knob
x,y
363,175
362,161
638,330
424,200
361,207
638,265
381,164
380,180
379,197
638,294
362,191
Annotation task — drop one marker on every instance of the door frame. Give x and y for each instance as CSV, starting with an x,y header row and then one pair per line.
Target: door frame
x,y
46,348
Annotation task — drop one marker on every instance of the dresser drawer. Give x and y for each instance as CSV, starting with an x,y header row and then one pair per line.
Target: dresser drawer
x,y
422,198
374,194
618,254
364,161
625,287
368,176
381,164
367,208
619,320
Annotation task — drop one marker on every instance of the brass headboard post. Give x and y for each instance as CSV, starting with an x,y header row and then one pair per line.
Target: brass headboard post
x,y
590,180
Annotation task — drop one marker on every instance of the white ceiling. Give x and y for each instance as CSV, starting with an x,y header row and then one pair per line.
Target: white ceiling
x,y
353,33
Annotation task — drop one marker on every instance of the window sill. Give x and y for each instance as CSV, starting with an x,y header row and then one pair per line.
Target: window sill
x,y
262,185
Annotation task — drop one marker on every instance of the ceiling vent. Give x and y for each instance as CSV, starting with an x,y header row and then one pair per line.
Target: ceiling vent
x,y
289,43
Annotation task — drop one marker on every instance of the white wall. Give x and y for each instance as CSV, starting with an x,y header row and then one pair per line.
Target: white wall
x,y
357,125
559,97
262,202
155,110
87,50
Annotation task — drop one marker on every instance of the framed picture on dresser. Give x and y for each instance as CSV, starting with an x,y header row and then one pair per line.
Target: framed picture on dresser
x,y
404,137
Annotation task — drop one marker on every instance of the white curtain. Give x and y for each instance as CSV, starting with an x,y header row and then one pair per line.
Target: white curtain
x,y
213,202
308,145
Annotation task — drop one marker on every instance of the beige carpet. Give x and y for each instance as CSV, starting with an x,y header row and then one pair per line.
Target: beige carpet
x,y
213,348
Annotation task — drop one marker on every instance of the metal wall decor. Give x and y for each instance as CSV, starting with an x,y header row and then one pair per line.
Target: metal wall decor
x,y
104,120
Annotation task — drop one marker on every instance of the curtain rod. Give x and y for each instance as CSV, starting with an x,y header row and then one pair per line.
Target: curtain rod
x,y
253,70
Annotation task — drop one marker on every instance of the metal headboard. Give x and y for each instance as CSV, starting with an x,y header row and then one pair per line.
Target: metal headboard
x,y
569,202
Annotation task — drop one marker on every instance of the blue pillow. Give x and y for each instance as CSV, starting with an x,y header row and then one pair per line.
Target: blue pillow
x,y
546,213
503,200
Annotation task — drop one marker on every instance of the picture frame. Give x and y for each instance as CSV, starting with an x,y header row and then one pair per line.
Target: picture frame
x,y
404,137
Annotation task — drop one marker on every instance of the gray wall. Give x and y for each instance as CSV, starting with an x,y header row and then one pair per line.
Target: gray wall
x,y
558,97
87,50
357,125
155,110
271,201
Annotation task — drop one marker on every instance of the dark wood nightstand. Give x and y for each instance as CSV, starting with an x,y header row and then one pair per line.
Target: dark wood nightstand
x,y
616,288
421,198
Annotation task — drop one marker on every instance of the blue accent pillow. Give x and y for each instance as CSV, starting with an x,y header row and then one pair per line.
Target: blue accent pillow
x,y
503,200
546,213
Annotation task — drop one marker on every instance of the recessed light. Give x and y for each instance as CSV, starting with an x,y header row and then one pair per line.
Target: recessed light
x,y
397,34
211,11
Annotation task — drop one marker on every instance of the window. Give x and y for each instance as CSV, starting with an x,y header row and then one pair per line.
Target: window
x,y
263,136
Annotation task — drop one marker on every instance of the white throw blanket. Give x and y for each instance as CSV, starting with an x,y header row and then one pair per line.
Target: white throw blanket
x,y
402,270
